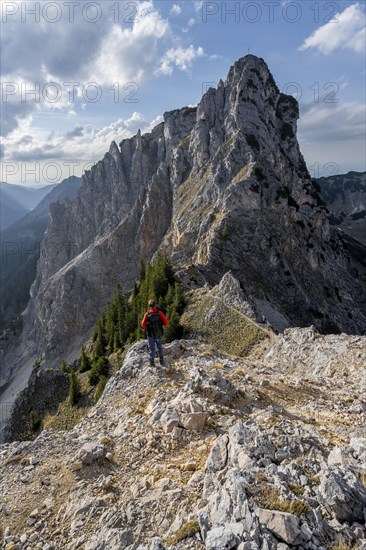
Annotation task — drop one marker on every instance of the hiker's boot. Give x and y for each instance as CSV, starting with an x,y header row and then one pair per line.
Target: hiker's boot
x,y
161,362
152,364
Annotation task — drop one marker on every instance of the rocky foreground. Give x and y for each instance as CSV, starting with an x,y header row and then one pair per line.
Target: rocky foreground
x,y
212,452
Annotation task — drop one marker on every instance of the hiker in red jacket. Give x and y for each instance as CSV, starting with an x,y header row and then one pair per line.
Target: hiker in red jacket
x,y
153,322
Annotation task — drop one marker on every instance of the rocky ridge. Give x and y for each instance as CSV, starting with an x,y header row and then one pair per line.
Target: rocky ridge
x,y
212,452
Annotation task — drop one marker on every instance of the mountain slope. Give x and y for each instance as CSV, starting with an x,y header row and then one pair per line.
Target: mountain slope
x,y
10,210
345,197
20,244
17,200
357,252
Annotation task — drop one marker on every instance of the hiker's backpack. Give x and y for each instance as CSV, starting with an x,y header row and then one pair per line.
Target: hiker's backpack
x,y
154,325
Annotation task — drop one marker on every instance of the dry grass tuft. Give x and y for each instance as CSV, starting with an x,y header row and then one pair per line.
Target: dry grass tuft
x,y
342,544
296,489
186,531
11,459
271,499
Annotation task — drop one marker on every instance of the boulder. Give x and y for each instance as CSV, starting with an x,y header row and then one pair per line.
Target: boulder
x,y
194,421
91,452
342,494
283,525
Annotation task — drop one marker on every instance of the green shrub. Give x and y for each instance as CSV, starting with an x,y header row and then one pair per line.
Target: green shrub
x,y
225,231
37,363
65,368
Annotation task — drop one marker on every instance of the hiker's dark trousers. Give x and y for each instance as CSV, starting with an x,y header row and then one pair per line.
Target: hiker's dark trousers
x,y
152,343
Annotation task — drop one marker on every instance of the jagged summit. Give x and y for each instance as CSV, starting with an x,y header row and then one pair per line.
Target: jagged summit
x,y
221,187
232,166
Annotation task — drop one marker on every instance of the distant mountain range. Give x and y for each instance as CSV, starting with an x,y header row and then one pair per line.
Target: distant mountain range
x,y
17,200
345,198
20,245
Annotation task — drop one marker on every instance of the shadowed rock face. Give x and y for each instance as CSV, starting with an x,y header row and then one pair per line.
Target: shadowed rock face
x,y
223,187
345,198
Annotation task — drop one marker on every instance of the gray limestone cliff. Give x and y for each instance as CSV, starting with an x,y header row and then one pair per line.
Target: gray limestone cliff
x,y
219,187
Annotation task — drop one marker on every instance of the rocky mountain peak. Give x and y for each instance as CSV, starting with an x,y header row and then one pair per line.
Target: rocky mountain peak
x,y
220,187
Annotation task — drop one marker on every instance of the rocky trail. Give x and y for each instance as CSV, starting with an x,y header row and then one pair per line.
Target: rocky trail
x,y
215,452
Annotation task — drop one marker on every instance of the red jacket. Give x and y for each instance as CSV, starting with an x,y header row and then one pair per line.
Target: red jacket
x,y
164,320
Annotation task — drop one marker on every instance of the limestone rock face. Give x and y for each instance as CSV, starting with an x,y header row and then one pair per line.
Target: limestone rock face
x,y
219,187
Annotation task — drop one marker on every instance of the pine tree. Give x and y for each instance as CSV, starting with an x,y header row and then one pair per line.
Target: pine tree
x,y
116,342
142,274
74,391
179,301
99,369
111,339
85,363
99,348
120,323
95,332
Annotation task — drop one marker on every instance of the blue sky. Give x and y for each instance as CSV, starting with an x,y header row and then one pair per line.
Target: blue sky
x,y
101,70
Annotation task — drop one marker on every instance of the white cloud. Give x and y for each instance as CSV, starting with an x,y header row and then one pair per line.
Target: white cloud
x,y
332,135
332,122
105,53
179,57
131,55
346,31
82,143
198,5
175,9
